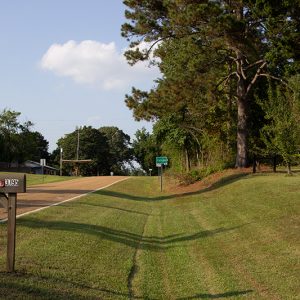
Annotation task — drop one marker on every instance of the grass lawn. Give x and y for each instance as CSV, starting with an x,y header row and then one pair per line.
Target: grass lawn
x,y
34,179
238,239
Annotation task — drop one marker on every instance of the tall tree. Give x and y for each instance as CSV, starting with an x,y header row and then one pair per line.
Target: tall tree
x,y
281,134
17,140
32,146
9,128
255,39
120,152
92,145
145,149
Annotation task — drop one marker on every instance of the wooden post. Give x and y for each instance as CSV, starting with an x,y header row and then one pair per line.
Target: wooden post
x,y
61,161
11,231
161,175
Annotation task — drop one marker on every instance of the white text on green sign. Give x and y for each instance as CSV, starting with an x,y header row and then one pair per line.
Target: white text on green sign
x,y
163,160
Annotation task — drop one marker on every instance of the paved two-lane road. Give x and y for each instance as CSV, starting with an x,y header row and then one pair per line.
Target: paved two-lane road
x,y
44,195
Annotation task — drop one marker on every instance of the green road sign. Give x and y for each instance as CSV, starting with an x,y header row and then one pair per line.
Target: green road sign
x,y
161,160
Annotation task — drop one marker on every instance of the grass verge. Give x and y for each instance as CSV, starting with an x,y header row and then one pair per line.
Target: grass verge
x,y
235,240
35,179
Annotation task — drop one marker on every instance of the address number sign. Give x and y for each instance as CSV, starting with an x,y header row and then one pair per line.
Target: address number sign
x,y
12,183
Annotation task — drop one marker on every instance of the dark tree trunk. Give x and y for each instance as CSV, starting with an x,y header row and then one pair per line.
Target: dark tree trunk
x,y
242,126
289,170
274,163
187,160
254,165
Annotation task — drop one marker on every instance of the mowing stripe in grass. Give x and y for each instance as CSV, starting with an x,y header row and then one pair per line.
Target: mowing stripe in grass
x,y
135,267
64,201
236,241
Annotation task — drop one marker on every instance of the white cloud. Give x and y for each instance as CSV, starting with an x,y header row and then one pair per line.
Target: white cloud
x,y
97,64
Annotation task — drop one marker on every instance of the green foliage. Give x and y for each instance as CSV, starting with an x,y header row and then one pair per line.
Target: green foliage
x,y
120,152
18,142
9,128
281,134
92,145
188,177
177,140
145,150
34,146
214,56
107,147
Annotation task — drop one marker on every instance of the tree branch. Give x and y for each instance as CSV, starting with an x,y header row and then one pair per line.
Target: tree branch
x,y
157,41
257,74
226,79
273,77
254,64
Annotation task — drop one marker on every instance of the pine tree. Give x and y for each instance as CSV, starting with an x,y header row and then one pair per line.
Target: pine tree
x,y
239,41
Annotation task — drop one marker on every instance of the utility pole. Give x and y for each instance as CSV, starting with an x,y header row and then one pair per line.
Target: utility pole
x,y
77,154
61,161
78,137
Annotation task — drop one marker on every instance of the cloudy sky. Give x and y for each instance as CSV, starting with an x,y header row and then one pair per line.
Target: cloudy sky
x,y
62,65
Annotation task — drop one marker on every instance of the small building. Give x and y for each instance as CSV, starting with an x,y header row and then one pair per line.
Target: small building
x,y
29,166
37,168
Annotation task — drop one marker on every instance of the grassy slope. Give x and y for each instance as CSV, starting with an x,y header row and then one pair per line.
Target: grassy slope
x,y
237,240
34,179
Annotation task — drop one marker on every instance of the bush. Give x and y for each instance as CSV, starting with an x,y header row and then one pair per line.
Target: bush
x,y
196,174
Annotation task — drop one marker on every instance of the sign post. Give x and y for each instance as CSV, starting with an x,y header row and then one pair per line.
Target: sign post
x,y
43,164
10,185
160,162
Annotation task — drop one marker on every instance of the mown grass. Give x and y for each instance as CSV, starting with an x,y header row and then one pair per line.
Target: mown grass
x,y
238,239
35,179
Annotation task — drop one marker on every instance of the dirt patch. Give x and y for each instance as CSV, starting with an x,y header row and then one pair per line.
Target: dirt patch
x,y
43,195
229,174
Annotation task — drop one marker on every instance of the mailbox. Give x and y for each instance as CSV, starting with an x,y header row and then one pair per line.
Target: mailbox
x,y
12,183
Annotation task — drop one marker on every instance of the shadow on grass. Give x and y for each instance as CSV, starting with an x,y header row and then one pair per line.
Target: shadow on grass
x,y
124,237
217,296
220,183
20,286
112,207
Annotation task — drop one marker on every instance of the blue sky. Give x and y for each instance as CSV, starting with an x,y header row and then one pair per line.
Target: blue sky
x,y
62,65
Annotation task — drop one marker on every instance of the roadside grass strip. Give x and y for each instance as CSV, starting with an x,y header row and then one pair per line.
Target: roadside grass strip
x,y
35,179
239,240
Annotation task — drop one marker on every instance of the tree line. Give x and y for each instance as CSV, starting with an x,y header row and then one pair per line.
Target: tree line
x,y
229,94
109,148
229,90
18,142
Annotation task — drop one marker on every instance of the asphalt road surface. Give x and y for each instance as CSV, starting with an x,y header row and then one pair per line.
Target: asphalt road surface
x,y
44,195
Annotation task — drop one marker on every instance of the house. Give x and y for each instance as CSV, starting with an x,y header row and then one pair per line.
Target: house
x,y
34,167
29,166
